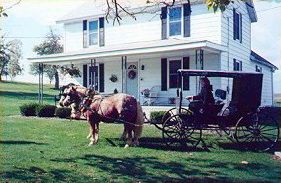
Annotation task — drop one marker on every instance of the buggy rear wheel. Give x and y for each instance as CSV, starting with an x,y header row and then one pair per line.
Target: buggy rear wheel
x,y
180,130
258,132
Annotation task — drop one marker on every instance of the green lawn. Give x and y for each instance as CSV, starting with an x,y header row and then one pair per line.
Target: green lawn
x,y
55,150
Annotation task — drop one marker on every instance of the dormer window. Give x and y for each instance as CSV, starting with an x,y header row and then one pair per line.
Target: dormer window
x,y
93,32
175,21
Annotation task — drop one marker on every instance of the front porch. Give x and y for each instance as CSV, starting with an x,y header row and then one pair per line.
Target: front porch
x,y
138,67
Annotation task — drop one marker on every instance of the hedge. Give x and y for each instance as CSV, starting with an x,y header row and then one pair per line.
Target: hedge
x,y
28,109
63,112
45,110
156,116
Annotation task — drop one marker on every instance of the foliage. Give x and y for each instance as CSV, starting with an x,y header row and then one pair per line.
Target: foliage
x,y
63,112
28,109
73,71
157,116
10,54
45,110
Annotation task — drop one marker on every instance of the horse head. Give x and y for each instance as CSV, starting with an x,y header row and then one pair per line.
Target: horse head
x,y
71,96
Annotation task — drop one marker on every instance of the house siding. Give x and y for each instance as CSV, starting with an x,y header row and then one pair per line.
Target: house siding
x,y
205,25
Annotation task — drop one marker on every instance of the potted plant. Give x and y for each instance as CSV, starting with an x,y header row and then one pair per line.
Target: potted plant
x,y
113,78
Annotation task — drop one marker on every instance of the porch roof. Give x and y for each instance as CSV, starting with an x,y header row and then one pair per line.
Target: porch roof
x,y
138,48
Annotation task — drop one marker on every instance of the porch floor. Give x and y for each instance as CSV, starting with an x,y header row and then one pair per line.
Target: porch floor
x,y
148,109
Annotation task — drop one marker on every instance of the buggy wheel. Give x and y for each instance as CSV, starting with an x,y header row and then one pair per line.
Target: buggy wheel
x,y
170,113
257,132
179,130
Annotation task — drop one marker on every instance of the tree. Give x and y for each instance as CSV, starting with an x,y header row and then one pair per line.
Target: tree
x,y
115,7
51,45
10,55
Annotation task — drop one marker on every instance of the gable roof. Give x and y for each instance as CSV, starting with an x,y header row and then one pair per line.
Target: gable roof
x,y
259,59
251,10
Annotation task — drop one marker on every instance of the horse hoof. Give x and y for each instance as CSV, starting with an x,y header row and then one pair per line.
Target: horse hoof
x,y
92,143
126,146
89,136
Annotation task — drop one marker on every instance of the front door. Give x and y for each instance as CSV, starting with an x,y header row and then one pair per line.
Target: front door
x,y
132,79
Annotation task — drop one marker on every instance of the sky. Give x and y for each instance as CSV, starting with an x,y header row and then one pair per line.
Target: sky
x,y
30,20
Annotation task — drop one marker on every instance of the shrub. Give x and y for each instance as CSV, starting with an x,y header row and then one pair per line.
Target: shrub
x,y
157,116
29,109
63,112
45,111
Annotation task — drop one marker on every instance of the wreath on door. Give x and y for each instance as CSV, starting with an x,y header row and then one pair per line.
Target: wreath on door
x,y
132,74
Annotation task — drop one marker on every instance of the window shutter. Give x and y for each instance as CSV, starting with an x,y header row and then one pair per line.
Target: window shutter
x,y
240,66
164,22
234,64
186,20
241,28
85,78
237,23
164,74
186,78
101,31
234,24
101,76
85,40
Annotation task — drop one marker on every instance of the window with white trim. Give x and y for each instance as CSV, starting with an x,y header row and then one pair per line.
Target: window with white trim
x,y
93,32
237,65
174,66
175,21
258,68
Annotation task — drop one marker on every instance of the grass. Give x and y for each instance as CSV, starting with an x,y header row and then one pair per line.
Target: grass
x,y
55,150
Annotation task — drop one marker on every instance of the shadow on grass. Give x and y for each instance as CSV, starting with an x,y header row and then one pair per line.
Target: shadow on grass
x,y
249,146
36,174
20,142
151,169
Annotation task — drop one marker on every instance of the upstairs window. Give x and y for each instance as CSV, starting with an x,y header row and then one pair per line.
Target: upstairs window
x,y
175,21
237,26
93,32
258,68
174,66
237,65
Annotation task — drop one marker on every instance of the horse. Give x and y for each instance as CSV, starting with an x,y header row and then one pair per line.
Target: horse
x,y
73,96
74,101
118,107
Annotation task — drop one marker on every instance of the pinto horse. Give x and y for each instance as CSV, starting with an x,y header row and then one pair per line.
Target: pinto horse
x,y
118,107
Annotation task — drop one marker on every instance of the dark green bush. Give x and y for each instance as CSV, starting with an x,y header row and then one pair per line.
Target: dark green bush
x,y
157,116
45,110
28,109
63,112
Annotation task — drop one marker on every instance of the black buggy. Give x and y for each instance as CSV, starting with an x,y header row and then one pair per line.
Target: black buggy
x,y
240,118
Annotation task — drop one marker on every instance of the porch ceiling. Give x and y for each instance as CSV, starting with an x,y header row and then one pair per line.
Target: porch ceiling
x,y
169,47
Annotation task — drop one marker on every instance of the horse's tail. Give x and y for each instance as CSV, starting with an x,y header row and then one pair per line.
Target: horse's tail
x,y
139,121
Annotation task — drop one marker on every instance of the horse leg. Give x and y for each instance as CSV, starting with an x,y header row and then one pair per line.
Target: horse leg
x,y
124,134
93,139
130,136
90,133
97,132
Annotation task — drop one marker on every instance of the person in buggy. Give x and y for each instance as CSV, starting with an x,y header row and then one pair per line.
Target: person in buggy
x,y
204,100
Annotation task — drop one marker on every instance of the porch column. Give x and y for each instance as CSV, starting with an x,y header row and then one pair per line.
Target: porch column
x,y
199,62
40,83
124,73
92,76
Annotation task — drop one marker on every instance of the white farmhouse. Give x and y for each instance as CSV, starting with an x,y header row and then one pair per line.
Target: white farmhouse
x,y
147,52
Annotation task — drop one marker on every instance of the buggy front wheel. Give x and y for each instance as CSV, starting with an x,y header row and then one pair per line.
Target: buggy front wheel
x,y
180,130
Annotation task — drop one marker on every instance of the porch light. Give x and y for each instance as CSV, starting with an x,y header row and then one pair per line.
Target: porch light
x,y
142,67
